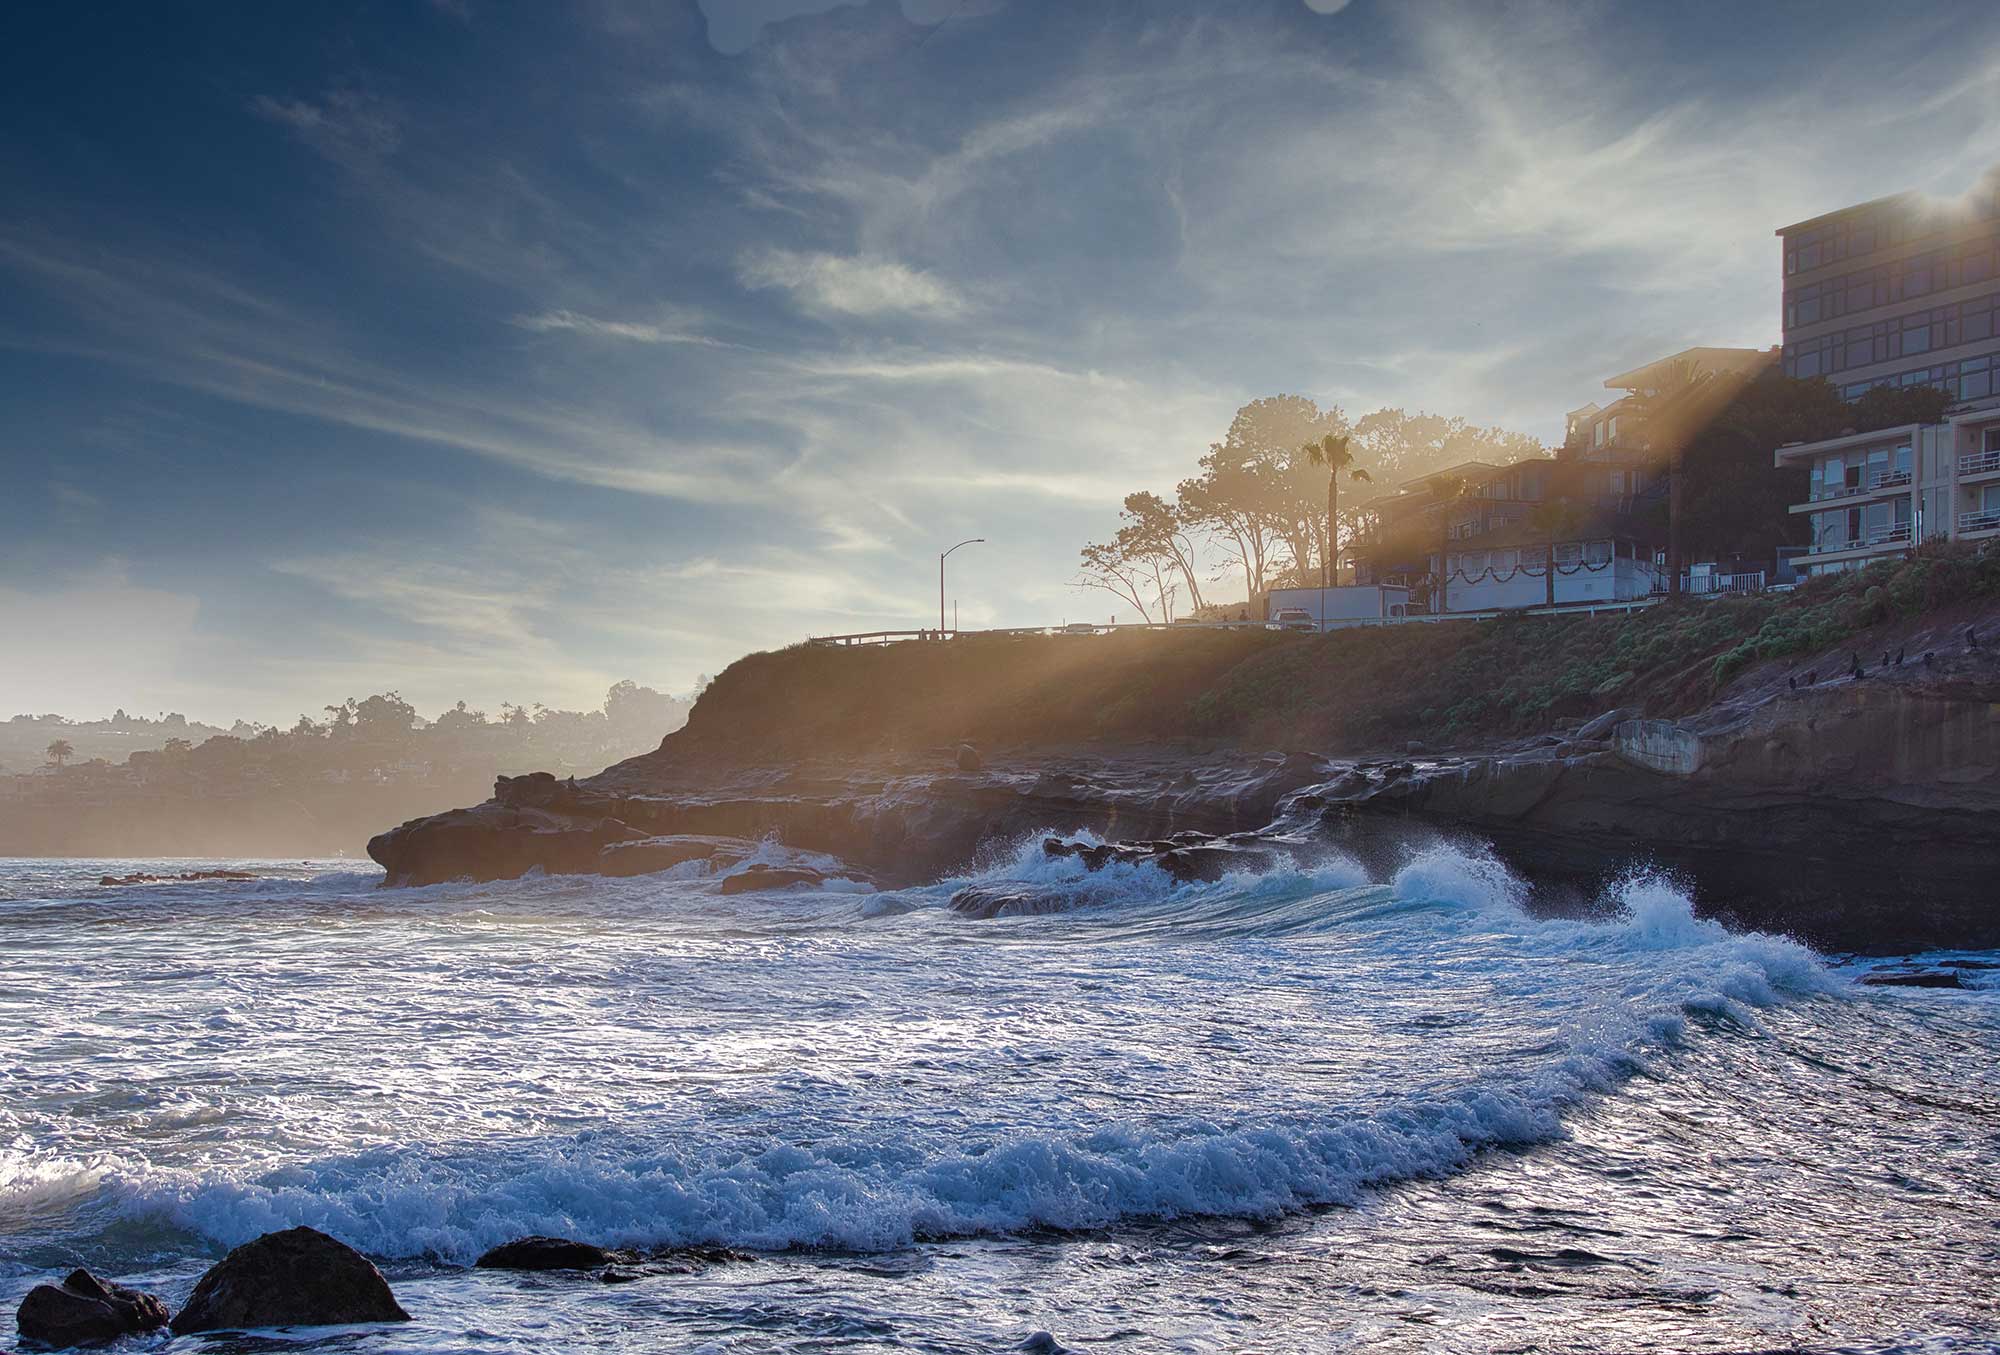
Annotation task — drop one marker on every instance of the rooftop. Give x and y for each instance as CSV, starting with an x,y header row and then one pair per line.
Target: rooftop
x,y
1909,197
1702,359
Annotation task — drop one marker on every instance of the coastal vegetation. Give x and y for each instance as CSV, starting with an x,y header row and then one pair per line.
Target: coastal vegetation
x,y
1267,498
1348,691
1263,505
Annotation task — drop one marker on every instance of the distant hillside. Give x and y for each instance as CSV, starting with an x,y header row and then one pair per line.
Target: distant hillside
x,y
24,740
315,789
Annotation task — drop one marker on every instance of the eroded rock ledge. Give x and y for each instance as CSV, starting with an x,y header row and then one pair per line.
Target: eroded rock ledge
x,y
1858,814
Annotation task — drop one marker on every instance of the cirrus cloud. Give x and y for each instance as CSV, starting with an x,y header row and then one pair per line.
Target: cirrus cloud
x,y
850,286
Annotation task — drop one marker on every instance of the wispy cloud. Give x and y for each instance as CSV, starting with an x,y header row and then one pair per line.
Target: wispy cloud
x,y
634,331
352,127
689,354
850,286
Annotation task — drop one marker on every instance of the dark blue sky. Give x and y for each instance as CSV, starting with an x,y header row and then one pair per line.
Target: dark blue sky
x,y
502,351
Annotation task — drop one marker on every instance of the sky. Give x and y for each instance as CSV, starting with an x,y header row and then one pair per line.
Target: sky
x,y
500,352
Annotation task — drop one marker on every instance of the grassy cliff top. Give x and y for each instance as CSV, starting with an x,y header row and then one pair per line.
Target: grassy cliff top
x,y
1343,692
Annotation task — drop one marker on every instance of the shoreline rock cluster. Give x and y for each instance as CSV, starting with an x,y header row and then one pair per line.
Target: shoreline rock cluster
x,y
301,1277
296,1278
1857,814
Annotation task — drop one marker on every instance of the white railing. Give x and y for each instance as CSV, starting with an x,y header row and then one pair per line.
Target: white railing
x,y
1751,581
1874,482
1983,521
1978,463
1881,536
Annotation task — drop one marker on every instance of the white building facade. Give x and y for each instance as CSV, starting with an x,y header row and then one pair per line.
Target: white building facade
x,y
1877,494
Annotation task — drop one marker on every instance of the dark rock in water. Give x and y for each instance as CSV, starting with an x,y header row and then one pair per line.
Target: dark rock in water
x,y
497,841
544,1253
761,876
1041,1343
688,1260
297,1278
647,855
1925,978
1008,900
84,1308
1211,861
613,1275
1184,856
141,878
969,759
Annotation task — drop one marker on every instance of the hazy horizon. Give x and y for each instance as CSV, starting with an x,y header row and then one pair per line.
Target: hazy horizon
x,y
499,354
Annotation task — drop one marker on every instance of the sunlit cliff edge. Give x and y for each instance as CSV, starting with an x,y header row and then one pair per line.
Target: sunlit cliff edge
x,y
1730,742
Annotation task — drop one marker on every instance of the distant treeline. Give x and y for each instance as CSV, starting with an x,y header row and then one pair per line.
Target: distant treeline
x,y
320,787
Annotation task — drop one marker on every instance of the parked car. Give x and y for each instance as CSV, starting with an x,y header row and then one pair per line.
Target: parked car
x,y
1292,618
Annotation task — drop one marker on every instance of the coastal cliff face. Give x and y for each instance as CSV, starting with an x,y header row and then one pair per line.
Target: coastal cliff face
x,y
1856,812
1860,815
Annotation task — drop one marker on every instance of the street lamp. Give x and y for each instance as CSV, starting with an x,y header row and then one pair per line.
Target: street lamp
x,y
974,541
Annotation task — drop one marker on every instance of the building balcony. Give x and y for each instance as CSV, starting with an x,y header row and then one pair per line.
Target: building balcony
x,y
1873,483
1985,520
1878,539
1979,464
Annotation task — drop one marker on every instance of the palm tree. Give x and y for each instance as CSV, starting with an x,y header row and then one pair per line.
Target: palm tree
x,y
1332,452
60,752
1554,519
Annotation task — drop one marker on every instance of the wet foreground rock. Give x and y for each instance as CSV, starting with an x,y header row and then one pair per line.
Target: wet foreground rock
x,y
84,1308
296,1278
546,1253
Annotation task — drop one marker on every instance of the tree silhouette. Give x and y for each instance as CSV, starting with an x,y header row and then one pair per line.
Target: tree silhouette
x,y
60,752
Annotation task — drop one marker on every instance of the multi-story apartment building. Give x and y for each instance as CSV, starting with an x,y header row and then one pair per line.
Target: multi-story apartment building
x,y
1901,291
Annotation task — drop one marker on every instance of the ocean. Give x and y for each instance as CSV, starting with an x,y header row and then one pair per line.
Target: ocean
x,y
1303,1111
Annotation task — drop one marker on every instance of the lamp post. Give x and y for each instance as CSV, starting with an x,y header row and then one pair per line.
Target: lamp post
x,y
973,541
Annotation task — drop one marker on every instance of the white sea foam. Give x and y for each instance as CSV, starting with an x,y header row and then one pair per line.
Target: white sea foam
x,y
862,1195
883,1188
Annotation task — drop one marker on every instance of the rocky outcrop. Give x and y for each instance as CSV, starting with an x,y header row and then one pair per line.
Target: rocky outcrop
x,y
84,1308
1855,812
1858,815
296,1278
648,855
897,822
1185,857
752,879
546,1253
